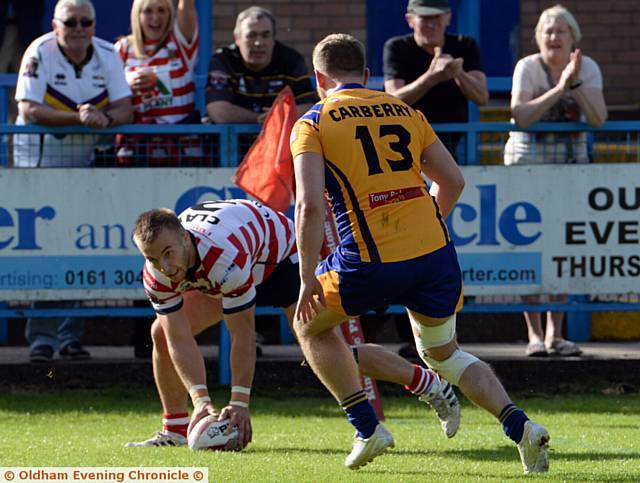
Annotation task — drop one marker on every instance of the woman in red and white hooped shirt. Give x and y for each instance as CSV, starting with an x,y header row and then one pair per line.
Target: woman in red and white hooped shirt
x,y
159,57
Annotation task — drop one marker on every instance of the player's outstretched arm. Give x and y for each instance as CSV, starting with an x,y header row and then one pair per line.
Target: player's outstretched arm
x,y
440,167
241,326
309,219
183,349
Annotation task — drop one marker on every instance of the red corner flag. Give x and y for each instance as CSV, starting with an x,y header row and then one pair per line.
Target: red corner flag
x,y
266,172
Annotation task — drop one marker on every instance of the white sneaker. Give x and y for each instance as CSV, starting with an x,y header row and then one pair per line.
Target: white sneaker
x,y
534,448
442,398
161,438
364,450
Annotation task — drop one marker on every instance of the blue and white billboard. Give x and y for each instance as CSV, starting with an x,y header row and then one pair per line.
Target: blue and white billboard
x,y
575,229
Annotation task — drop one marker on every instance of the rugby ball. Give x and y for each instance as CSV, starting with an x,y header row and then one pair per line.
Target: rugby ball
x,y
208,433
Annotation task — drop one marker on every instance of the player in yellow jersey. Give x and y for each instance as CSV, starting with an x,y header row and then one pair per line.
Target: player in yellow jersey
x,y
367,151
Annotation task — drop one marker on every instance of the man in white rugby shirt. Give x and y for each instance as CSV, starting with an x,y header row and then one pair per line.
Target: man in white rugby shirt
x,y
68,77
218,260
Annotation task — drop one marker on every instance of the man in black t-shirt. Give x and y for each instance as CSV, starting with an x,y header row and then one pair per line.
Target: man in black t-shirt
x,y
246,77
434,71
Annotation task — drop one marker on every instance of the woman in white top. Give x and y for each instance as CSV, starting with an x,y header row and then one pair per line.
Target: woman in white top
x,y
159,58
556,84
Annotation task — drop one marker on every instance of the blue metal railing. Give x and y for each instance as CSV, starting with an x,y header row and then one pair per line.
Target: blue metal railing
x,y
228,147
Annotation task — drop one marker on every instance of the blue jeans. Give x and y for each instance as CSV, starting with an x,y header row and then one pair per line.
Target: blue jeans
x,y
55,332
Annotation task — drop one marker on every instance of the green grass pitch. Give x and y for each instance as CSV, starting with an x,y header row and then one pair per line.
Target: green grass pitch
x,y
305,439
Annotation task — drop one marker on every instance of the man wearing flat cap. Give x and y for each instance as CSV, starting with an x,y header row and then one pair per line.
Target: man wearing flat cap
x,y
434,71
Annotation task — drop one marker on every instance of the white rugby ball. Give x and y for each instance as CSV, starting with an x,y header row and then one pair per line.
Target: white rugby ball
x,y
208,433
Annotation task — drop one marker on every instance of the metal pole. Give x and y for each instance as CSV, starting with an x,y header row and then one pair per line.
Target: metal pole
x,y
205,13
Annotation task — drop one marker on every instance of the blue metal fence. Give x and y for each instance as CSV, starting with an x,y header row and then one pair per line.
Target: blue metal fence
x,y
614,141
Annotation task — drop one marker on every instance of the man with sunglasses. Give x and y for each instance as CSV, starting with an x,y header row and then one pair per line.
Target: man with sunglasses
x,y
67,78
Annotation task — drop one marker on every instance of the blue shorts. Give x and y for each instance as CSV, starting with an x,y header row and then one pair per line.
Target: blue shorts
x,y
430,285
282,287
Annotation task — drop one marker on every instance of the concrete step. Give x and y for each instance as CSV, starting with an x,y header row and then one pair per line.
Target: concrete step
x,y
281,366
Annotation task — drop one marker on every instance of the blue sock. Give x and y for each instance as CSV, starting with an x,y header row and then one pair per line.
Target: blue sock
x,y
513,419
360,413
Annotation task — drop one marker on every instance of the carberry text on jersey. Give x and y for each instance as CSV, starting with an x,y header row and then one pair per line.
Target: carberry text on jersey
x,y
385,109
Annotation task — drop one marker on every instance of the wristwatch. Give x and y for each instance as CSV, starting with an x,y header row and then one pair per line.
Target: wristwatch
x,y
109,118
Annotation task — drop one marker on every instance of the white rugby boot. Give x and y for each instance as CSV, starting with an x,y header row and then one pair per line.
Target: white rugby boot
x,y
161,438
534,448
442,398
364,450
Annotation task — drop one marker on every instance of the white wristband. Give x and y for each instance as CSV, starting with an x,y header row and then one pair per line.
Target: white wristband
x,y
195,388
200,401
241,390
240,404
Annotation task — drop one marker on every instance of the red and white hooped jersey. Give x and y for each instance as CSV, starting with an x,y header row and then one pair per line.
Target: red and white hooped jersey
x,y
239,244
173,96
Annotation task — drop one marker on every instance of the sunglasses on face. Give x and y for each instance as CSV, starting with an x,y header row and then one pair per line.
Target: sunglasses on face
x,y
73,22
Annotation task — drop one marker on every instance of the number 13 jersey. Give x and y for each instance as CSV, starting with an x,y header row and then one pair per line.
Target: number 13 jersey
x,y
372,143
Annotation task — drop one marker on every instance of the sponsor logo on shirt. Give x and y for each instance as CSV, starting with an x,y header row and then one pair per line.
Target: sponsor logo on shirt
x,y
60,79
31,69
218,80
394,196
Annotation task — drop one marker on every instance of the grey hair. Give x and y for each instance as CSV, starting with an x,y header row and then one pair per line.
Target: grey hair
x,y
64,4
558,11
255,13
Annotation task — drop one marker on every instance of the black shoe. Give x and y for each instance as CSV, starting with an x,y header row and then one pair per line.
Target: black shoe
x,y
408,351
75,352
41,353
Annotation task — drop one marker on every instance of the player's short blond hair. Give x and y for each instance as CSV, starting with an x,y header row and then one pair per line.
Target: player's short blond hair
x,y
339,55
558,12
137,35
151,223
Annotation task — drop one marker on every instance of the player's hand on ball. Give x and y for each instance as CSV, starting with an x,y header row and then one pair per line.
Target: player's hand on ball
x,y
203,411
241,419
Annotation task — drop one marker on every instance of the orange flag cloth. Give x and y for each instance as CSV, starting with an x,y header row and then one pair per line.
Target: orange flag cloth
x,y
266,172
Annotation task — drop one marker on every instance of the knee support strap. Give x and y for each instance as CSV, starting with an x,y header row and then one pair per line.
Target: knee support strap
x,y
433,336
453,367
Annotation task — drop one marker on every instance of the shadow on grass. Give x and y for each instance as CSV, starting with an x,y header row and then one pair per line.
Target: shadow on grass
x,y
446,474
500,453
126,399
297,450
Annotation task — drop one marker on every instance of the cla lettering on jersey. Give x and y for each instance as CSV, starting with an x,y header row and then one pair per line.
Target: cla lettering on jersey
x,y
394,196
385,109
